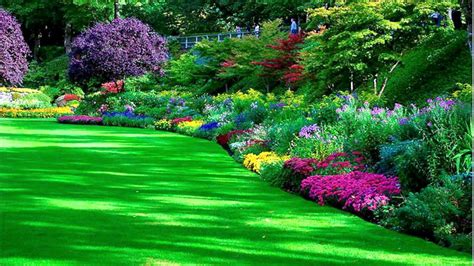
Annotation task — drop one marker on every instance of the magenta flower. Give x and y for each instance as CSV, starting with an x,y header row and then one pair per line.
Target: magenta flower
x,y
355,190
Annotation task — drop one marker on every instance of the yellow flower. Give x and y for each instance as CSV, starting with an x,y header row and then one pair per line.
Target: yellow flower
x,y
19,90
254,162
35,113
189,127
163,124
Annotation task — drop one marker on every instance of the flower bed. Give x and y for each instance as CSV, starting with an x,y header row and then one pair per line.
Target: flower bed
x,y
341,151
355,190
35,113
80,119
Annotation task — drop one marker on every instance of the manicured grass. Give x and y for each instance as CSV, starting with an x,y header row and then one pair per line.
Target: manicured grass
x,y
107,196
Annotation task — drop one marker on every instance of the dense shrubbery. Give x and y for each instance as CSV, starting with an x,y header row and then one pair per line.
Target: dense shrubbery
x,y
107,52
13,50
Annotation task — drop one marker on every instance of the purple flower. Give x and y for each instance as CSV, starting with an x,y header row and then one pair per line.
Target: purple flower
x,y
377,111
429,124
403,121
275,106
397,106
110,51
13,50
309,131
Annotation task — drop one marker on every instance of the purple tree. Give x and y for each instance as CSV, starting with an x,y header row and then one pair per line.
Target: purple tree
x,y
108,52
13,50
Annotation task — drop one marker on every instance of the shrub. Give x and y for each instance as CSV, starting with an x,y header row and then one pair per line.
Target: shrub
x,y
52,73
282,134
112,87
124,47
300,168
407,160
13,50
440,211
146,82
275,174
356,190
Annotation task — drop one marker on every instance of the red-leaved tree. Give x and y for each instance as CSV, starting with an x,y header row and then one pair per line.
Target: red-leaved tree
x,y
285,66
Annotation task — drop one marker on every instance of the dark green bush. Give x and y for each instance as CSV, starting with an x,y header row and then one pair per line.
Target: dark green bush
x,y
275,174
441,212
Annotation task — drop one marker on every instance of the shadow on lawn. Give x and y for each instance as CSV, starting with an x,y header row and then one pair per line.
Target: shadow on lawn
x,y
155,197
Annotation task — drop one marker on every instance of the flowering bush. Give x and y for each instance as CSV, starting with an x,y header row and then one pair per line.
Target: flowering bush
x,y
110,51
35,113
301,166
71,97
355,190
80,119
340,162
112,87
13,50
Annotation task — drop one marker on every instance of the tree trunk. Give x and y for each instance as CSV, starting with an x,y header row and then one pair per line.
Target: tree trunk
x,y
116,9
37,46
375,85
67,38
386,79
352,82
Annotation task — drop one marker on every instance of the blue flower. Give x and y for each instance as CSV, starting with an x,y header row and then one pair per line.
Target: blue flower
x,y
209,126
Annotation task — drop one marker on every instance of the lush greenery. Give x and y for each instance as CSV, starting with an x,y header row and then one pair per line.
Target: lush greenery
x,y
367,108
423,146
123,195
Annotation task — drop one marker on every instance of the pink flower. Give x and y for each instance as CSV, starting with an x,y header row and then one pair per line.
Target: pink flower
x,y
355,190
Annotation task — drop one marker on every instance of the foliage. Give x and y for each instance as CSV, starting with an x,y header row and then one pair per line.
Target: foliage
x,y
357,45
285,66
440,211
431,68
13,50
107,52
275,174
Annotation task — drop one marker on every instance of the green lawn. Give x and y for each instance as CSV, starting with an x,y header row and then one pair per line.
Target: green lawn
x,y
107,195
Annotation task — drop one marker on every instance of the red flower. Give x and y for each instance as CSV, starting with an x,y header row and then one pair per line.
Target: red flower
x,y
113,87
71,97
